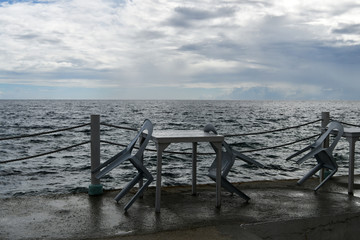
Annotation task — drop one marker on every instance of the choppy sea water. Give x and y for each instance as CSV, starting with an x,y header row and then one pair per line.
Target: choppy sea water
x,y
69,171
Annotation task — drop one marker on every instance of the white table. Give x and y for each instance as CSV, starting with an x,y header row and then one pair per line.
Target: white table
x,y
164,138
352,135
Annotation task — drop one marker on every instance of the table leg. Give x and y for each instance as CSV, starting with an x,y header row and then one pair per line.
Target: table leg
x,y
141,182
218,174
160,148
351,165
194,163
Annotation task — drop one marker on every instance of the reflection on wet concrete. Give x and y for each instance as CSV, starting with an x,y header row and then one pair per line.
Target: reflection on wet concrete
x,y
80,216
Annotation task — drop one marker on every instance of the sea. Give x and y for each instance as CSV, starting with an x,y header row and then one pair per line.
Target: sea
x,y
69,171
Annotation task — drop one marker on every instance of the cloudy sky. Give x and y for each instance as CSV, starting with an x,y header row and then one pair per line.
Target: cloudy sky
x,y
159,49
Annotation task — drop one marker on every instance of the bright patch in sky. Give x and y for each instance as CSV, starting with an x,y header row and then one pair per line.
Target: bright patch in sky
x,y
148,49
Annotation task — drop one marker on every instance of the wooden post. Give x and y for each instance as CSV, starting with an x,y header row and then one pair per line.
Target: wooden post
x,y
194,167
95,187
325,119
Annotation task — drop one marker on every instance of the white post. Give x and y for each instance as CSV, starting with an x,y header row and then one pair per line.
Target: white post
x,y
194,167
325,119
95,187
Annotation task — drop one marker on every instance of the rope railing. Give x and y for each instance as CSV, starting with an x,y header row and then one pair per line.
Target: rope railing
x,y
43,154
199,153
154,150
345,123
281,145
271,131
43,133
229,135
120,127
55,131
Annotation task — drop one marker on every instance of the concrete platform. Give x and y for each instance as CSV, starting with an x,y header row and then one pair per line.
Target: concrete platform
x,y
277,210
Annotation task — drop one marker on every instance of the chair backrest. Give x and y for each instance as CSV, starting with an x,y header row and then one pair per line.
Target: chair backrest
x,y
227,156
210,128
340,131
335,128
147,126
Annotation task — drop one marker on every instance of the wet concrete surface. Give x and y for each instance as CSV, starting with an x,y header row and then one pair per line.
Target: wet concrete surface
x,y
277,210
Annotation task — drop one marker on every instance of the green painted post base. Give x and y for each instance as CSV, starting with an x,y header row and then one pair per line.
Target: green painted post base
x,y
95,189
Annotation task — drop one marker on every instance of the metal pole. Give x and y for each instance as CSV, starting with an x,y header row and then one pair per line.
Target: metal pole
x,y
325,119
95,187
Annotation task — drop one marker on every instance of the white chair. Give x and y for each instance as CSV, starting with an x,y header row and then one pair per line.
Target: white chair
x,y
323,155
228,156
135,159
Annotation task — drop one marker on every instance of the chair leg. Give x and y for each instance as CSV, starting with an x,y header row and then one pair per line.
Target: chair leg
x,y
231,188
128,187
327,178
309,174
139,193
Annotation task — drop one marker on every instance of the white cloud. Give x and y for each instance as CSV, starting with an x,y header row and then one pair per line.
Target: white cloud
x,y
228,45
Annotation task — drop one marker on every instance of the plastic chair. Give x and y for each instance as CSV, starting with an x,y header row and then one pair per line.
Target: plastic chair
x,y
135,159
323,155
228,158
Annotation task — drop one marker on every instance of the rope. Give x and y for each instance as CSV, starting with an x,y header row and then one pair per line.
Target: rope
x,y
127,128
349,124
112,143
43,133
277,146
151,150
245,151
43,154
271,131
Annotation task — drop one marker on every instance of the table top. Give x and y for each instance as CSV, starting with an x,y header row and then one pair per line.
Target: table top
x,y
351,132
173,136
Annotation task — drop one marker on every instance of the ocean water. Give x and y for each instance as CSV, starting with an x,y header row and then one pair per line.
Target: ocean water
x,y
69,171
